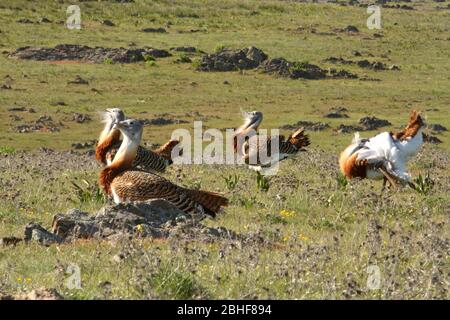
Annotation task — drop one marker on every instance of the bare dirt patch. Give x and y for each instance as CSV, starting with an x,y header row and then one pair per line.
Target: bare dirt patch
x,y
71,52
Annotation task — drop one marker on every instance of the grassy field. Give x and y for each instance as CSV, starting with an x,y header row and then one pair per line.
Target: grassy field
x,y
322,233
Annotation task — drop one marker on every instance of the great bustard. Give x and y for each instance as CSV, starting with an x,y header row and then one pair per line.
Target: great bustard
x,y
109,143
124,183
250,145
384,156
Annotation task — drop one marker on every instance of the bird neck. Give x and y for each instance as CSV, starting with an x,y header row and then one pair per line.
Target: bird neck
x,y
122,162
104,145
106,130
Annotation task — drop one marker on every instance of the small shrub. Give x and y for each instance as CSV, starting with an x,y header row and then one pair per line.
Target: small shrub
x,y
7,150
247,203
88,193
148,57
171,284
341,181
108,61
423,185
196,63
262,182
219,48
183,58
231,181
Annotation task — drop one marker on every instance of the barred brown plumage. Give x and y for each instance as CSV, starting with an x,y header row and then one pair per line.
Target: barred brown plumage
x,y
147,160
124,183
256,146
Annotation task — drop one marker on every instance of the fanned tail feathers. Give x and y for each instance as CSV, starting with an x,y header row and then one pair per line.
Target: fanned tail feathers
x,y
165,150
299,139
210,201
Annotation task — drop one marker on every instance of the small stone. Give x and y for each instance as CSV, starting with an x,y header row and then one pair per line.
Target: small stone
x,y
108,23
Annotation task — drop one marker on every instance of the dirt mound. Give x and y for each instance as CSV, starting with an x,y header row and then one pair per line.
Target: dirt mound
x,y
84,145
342,74
82,53
78,80
154,30
348,29
232,60
37,294
302,70
42,124
428,138
161,121
308,125
398,6
374,65
154,218
348,128
293,70
336,115
373,123
436,127
184,49
81,117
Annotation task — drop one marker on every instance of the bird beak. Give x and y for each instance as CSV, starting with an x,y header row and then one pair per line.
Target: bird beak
x,y
117,126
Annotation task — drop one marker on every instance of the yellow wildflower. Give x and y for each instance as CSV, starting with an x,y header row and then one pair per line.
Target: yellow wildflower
x,y
304,238
287,214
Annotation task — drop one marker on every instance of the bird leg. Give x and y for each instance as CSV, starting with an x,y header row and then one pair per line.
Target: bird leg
x,y
388,177
385,180
394,180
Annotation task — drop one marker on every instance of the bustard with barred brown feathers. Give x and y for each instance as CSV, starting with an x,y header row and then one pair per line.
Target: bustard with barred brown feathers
x,y
256,150
109,143
124,183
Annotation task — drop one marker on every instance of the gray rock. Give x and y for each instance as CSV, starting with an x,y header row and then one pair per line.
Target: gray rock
x,y
35,232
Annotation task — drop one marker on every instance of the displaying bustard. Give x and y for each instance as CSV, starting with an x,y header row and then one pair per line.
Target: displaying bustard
x,y
109,142
125,183
384,156
250,145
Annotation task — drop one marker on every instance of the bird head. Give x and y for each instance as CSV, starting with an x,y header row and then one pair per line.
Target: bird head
x,y
131,129
252,118
114,115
